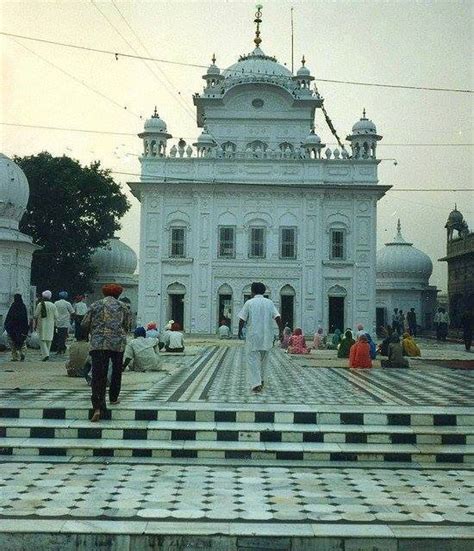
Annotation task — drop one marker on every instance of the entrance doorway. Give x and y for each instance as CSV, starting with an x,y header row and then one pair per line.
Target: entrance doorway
x,y
336,314
176,293
287,306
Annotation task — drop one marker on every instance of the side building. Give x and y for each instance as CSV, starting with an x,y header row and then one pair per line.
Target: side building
x,y
258,197
460,259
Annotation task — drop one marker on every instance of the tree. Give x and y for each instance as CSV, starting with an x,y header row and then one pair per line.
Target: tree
x,y
72,211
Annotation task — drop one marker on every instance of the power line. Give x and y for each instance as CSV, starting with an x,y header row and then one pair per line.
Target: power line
x,y
105,132
184,64
73,77
177,97
100,51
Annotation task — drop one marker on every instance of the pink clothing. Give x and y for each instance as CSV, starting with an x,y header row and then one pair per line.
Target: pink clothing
x,y
359,355
297,345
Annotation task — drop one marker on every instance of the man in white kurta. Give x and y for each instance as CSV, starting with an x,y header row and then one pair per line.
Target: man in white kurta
x,y
46,316
259,314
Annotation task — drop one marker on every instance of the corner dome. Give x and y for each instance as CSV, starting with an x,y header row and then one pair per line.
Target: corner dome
x,y
364,126
205,138
155,124
455,216
303,71
115,258
14,193
213,68
398,259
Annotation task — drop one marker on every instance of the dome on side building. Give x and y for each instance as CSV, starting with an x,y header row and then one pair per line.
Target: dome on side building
x,y
398,259
115,258
14,193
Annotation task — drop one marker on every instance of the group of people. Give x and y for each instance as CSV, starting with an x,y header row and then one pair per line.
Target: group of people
x,y
357,345
402,323
52,321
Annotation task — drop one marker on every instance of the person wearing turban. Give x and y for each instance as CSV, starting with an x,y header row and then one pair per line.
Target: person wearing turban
x,y
80,310
46,316
108,322
65,311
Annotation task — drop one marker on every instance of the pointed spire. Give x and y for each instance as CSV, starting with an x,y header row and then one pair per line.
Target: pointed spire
x,y
257,21
399,228
155,114
303,61
363,114
213,59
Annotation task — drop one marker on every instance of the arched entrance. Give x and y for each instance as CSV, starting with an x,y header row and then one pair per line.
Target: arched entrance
x,y
287,305
224,312
176,292
336,308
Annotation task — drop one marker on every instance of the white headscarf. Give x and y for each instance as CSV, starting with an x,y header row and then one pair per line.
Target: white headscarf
x,y
47,295
169,324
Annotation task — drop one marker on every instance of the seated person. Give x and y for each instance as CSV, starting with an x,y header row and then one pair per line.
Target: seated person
x,y
387,337
335,340
79,359
345,345
319,339
141,353
164,337
359,355
285,340
409,346
224,330
395,354
175,340
372,346
297,343
152,331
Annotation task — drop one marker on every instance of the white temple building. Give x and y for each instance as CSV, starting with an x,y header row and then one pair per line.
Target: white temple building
x,y
116,262
16,248
403,274
258,197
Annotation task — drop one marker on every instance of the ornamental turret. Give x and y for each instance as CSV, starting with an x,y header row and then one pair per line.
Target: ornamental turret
x,y
364,139
212,77
154,136
303,77
313,146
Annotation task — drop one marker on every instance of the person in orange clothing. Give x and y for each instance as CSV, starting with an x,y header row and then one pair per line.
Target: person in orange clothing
x,y
359,355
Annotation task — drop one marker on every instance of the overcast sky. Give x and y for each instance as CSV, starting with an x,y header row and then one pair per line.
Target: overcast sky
x,y
416,43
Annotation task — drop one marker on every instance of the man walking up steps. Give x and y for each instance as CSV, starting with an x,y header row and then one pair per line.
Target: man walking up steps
x,y
259,314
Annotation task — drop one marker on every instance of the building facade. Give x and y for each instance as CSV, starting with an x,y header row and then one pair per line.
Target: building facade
x,y
403,274
258,197
460,259
16,248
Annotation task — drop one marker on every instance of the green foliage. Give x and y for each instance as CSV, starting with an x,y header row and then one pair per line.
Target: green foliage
x,y
72,210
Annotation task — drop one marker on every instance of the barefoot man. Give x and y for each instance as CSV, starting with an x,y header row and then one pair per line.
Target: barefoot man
x,y
259,314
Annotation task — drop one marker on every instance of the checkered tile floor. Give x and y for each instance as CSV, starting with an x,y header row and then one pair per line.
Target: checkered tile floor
x,y
119,491
219,374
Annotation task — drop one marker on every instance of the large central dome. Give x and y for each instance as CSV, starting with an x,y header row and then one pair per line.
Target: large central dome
x,y
257,63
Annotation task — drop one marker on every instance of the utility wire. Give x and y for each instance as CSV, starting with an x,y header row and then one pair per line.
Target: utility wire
x,y
73,77
334,81
145,63
137,36
108,132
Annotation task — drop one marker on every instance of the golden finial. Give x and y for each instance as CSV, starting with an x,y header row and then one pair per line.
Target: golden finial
x,y
155,114
214,59
303,61
363,113
399,227
258,20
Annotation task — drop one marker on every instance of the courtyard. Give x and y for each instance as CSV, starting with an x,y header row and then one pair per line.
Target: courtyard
x,y
324,458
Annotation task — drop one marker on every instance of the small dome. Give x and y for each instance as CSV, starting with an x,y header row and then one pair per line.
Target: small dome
x,y
364,126
213,68
14,193
312,139
303,71
455,216
155,124
205,138
115,258
398,259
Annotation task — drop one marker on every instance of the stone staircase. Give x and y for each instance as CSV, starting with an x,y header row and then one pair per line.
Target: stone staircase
x,y
224,434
